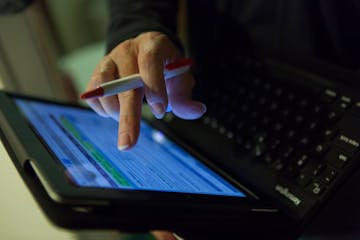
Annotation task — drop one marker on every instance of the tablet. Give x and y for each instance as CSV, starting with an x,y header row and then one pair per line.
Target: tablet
x,y
69,156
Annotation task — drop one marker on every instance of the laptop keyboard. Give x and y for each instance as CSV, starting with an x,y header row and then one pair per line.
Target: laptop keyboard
x,y
305,139
280,128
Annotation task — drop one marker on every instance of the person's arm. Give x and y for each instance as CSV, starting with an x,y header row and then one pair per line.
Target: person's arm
x,y
129,18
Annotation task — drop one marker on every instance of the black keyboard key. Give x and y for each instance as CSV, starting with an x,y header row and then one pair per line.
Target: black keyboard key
x,y
328,176
239,139
303,103
334,115
248,145
286,152
320,149
290,97
343,103
279,164
318,168
241,91
262,101
277,127
258,150
291,171
265,121
241,126
222,115
348,143
285,113
274,106
260,136
299,119
256,82
302,160
303,179
230,135
268,86
328,96
268,158
315,168
252,129
244,108
274,144
290,134
349,139
304,142
254,115
329,133
230,120
338,157
251,96
356,108
279,91
316,188
313,126
317,109
206,119
214,123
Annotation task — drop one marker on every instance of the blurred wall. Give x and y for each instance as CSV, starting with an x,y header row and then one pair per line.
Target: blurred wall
x,y
28,54
38,42
80,28
78,23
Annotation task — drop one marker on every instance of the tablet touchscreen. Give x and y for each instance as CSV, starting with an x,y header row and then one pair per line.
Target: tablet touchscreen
x,y
86,146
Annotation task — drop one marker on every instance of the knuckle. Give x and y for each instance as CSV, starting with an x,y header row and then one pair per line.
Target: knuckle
x,y
125,46
123,49
94,81
150,52
161,38
105,60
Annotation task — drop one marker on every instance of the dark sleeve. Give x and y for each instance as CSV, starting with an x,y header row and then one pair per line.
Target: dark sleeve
x,y
129,18
13,6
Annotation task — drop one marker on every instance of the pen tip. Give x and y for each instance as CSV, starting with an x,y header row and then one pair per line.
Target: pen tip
x,y
97,92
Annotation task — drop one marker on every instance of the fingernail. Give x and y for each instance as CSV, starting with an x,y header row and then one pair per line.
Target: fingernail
x,y
204,108
124,141
158,110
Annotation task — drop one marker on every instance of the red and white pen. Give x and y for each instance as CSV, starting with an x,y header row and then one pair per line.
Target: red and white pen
x,y
134,81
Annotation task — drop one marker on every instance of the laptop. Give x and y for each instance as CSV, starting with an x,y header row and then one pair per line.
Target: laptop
x,y
286,127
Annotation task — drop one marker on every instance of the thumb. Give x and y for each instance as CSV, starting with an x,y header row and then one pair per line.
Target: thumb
x,y
179,93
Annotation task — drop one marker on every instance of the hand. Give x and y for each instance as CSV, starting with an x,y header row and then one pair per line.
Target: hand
x,y
146,54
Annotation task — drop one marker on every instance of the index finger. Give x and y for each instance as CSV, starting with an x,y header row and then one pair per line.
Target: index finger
x,y
130,101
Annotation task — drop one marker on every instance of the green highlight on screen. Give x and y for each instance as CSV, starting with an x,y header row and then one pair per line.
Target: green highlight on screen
x,y
95,153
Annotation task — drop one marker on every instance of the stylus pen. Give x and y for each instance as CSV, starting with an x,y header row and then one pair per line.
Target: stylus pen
x,y
134,81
